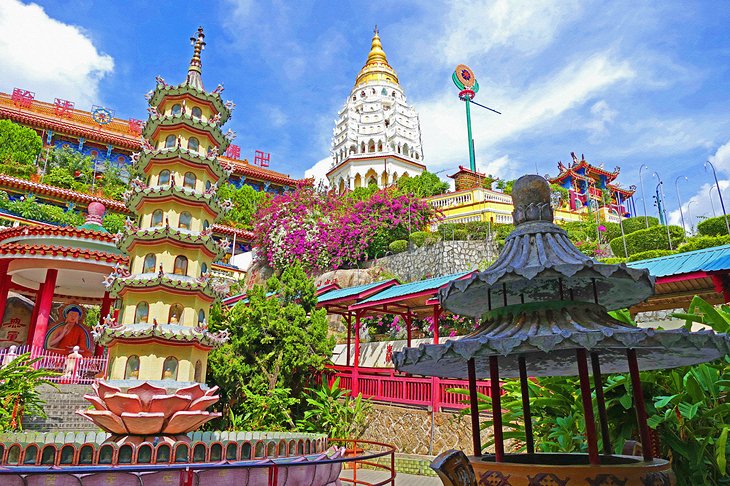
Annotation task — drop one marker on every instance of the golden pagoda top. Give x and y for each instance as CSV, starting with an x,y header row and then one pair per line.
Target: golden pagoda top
x,y
376,67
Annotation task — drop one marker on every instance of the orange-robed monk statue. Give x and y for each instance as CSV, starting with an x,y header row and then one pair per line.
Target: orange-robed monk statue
x,y
62,337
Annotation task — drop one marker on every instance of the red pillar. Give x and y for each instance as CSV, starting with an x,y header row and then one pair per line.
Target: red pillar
x,y
4,287
34,316
44,309
106,306
474,408
348,320
585,393
436,315
496,393
355,373
409,320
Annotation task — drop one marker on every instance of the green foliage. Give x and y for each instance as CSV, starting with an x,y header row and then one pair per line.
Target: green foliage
x,y
701,242
460,234
638,223
19,148
653,238
278,342
612,260
69,169
28,207
19,396
645,255
332,412
712,226
418,238
362,193
398,246
113,222
246,201
424,185
562,192
506,186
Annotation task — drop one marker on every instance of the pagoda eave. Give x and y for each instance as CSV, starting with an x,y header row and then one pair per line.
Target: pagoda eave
x,y
121,286
173,93
162,194
159,334
148,237
183,156
211,132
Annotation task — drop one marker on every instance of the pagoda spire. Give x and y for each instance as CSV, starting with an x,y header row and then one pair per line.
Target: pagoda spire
x,y
376,54
376,67
194,77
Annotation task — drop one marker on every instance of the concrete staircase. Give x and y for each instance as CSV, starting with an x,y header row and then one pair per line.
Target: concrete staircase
x,y
61,405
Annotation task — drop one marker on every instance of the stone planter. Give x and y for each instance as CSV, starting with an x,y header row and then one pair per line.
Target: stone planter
x,y
571,470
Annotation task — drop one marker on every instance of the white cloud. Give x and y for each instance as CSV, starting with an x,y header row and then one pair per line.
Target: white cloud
x,y
49,57
603,115
706,202
319,171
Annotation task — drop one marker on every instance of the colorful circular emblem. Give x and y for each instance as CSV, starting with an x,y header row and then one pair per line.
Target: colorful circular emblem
x,y
465,75
102,116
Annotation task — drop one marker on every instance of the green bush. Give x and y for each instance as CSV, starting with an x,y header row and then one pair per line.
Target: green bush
x,y
701,242
638,223
713,226
461,234
418,238
653,238
612,260
398,246
645,255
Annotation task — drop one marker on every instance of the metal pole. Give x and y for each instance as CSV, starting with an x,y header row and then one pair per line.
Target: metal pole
x,y
689,216
601,403
643,197
474,408
527,416
719,193
679,200
663,207
621,224
496,408
472,161
712,204
639,405
585,393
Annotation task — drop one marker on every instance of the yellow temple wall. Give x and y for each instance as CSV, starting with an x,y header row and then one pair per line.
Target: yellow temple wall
x,y
152,358
178,170
172,212
166,256
160,303
184,133
165,107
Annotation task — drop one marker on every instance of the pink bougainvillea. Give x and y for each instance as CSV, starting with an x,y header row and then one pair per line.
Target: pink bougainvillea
x,y
323,230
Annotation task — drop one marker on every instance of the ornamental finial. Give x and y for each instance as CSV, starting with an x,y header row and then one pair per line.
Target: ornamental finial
x,y
195,70
531,200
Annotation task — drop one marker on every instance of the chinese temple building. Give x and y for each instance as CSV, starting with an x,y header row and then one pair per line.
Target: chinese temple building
x,y
166,291
377,134
586,182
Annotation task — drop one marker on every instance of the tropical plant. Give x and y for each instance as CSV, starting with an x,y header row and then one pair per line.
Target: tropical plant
x,y
333,412
712,226
646,255
19,148
653,238
398,246
278,342
702,242
425,184
246,201
19,382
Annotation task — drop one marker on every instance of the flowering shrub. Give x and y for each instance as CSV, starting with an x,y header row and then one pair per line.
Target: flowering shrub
x,y
322,230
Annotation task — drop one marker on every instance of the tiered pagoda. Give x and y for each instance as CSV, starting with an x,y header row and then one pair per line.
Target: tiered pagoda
x,y
587,182
160,333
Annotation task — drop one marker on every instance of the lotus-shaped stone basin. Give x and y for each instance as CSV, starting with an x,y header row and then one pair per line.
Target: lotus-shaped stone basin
x,y
148,410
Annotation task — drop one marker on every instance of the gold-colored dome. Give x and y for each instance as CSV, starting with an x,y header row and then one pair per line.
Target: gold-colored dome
x,y
376,68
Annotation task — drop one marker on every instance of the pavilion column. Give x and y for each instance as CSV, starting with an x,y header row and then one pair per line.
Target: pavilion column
x,y
5,280
106,305
601,403
409,321
436,315
44,309
355,371
527,415
638,393
34,316
348,320
585,392
496,392
474,408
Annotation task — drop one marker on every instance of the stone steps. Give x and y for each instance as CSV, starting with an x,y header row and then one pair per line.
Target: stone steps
x,y
60,406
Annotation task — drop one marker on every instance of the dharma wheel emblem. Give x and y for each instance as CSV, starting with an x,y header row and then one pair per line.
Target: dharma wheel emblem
x,y
101,115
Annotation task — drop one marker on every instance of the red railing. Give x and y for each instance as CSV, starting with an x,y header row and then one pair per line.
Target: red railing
x,y
70,368
388,386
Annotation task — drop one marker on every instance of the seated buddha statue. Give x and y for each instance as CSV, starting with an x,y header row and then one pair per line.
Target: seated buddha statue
x,y
62,337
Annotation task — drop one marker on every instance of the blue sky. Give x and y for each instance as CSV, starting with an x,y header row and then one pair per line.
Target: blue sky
x,y
626,83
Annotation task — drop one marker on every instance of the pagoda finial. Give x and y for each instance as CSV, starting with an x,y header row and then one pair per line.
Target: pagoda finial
x,y
377,54
376,67
194,78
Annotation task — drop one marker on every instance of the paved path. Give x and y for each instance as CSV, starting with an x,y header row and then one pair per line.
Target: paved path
x,y
400,479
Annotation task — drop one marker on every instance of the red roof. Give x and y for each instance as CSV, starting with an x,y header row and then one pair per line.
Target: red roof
x,y
47,230
63,251
65,194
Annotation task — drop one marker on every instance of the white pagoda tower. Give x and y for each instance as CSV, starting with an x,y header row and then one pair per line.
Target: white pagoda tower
x,y
377,135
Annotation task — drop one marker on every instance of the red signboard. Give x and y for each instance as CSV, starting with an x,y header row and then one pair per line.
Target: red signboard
x,y
63,108
233,152
22,97
262,158
135,126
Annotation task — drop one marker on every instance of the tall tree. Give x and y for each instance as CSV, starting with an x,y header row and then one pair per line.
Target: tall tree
x,y
19,148
278,342
424,185
246,201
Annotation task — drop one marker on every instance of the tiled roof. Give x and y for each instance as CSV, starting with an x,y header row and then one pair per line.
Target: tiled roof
x,y
412,288
60,251
65,194
706,260
47,230
351,291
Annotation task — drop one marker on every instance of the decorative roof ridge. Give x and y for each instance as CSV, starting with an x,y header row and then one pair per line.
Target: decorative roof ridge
x,y
43,230
80,196
56,250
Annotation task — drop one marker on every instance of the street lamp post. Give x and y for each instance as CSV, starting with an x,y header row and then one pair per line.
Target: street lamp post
x,y
719,193
712,204
679,200
663,207
643,197
689,215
